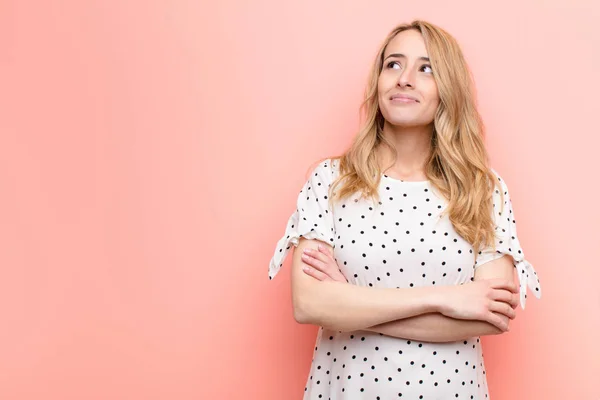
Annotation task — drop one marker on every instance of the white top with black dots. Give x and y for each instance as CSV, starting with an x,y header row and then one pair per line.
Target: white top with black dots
x,y
399,242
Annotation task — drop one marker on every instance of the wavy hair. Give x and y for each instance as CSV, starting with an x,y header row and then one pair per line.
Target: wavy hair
x,y
458,165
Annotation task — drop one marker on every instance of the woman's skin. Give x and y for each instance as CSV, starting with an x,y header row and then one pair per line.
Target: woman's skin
x,y
321,294
406,70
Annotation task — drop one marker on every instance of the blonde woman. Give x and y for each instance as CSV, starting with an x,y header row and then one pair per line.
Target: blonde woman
x,y
406,245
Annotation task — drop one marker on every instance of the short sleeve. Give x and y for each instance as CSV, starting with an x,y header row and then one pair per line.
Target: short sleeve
x,y
313,218
507,243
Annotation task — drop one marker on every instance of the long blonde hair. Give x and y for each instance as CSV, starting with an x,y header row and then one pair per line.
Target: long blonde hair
x,y
458,166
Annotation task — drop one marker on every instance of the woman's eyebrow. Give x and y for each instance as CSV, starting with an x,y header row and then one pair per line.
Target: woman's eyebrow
x,y
400,55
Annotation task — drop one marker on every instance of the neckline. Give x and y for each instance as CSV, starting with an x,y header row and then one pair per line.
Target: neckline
x,y
405,182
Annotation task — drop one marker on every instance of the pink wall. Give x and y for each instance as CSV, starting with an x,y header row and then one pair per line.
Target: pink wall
x,y
151,152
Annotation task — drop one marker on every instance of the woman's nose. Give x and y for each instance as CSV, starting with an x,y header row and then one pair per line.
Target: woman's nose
x,y
406,78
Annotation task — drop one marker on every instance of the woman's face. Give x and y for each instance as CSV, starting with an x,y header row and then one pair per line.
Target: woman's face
x,y
407,71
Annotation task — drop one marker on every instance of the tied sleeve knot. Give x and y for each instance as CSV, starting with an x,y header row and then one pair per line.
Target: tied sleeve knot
x,y
507,243
313,217
296,229
527,278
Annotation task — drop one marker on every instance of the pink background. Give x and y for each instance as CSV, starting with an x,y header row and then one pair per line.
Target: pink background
x,y
152,151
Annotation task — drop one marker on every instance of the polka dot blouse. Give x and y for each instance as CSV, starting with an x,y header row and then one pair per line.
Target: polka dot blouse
x,y
401,242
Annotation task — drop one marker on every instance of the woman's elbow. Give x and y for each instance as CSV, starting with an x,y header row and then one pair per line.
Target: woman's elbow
x,y
300,315
302,310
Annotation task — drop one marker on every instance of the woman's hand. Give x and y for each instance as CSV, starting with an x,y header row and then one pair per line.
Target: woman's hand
x,y
322,266
489,300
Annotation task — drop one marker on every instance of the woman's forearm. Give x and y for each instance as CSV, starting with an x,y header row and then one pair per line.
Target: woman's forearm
x,y
435,327
347,307
344,307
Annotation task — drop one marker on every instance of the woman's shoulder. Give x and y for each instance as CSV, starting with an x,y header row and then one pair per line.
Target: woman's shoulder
x,y
495,173
330,163
499,182
326,168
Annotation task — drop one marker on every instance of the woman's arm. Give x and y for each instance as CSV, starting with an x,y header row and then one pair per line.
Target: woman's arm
x,y
340,306
436,327
344,307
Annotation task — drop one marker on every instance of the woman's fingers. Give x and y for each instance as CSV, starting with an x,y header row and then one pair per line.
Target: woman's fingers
x,y
315,273
515,301
504,284
314,260
503,295
315,267
498,321
503,308
506,296
319,261
325,250
325,264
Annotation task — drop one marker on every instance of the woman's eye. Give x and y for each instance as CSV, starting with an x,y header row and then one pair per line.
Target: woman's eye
x,y
396,65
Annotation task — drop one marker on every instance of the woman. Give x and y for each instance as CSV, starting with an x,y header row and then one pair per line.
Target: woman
x,y
407,243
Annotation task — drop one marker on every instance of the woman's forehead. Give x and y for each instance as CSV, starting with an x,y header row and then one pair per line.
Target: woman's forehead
x,y
408,44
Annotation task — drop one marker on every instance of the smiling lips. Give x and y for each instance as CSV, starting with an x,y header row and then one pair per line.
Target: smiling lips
x,y
403,98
